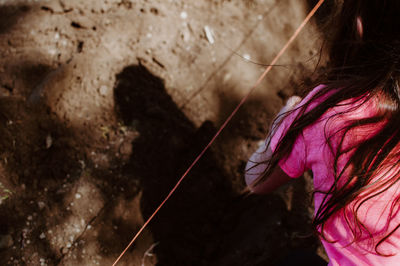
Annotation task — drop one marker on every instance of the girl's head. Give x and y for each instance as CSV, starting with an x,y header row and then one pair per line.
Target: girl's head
x,y
366,39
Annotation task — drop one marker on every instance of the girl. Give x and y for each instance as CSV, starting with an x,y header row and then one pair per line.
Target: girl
x,y
347,132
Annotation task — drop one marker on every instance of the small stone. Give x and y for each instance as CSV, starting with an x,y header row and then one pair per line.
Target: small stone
x,y
49,141
41,205
52,51
185,35
29,218
55,6
103,90
42,236
183,15
209,34
64,250
82,163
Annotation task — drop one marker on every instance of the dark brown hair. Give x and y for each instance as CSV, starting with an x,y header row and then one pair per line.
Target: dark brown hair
x,y
363,67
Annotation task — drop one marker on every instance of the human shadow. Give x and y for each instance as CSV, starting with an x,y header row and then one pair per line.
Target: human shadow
x,y
167,144
190,227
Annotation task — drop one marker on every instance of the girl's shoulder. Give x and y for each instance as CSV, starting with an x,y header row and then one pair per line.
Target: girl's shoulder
x,y
343,119
352,108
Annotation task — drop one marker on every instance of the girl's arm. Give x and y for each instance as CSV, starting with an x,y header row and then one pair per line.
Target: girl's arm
x,y
257,163
276,179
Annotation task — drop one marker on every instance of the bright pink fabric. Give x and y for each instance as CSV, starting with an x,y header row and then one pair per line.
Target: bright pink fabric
x,y
311,152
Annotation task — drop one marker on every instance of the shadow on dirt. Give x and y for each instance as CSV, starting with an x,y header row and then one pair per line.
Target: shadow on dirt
x,y
9,15
168,142
205,222
38,158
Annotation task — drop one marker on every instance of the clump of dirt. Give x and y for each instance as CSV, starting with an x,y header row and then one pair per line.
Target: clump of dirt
x,y
105,104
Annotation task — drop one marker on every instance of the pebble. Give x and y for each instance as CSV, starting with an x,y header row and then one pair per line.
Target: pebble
x,y
82,163
247,57
183,15
185,35
209,34
41,205
103,90
49,141
52,51
64,250
42,236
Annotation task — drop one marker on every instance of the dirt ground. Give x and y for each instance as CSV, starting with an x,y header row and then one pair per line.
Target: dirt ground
x,y
104,105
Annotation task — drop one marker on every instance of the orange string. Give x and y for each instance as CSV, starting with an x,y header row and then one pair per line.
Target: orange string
x,y
284,48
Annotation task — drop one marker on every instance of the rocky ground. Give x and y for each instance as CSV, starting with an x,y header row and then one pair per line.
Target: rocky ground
x,y
103,106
